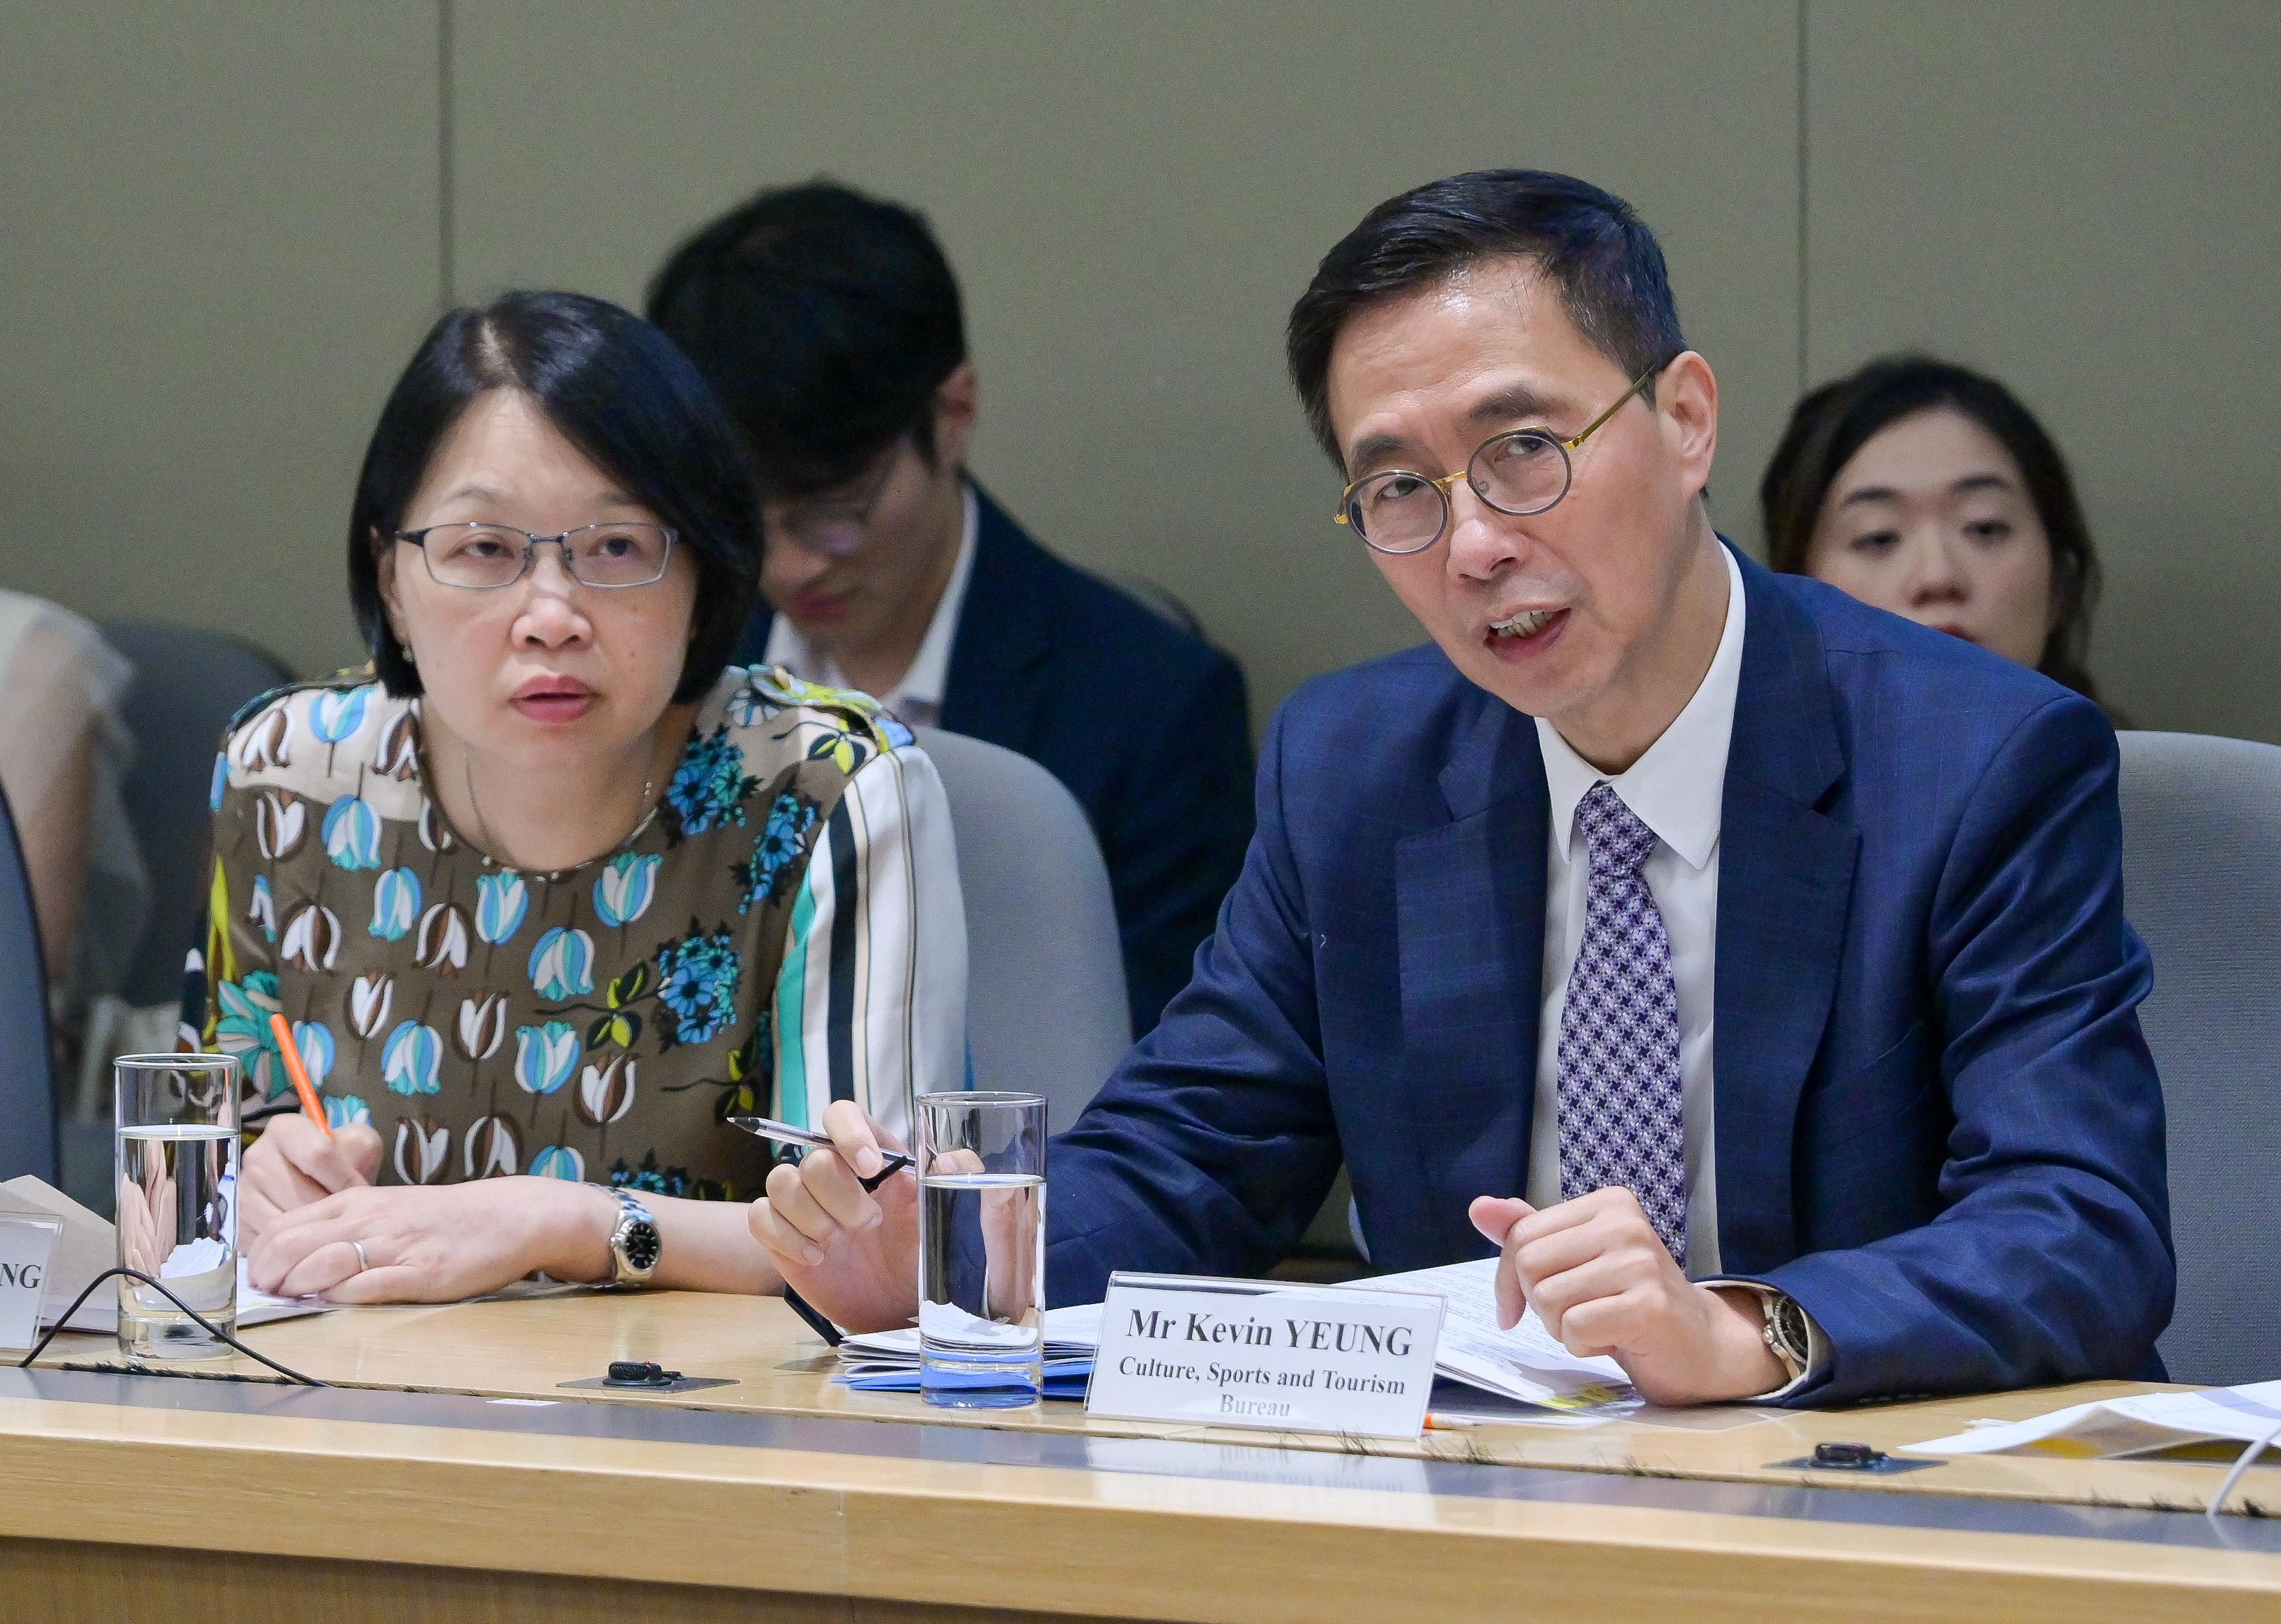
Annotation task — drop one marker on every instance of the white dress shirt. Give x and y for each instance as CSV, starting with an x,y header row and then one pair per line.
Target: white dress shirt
x,y
1676,789
917,698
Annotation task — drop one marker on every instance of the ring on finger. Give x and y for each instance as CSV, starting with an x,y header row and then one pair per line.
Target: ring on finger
x,y
363,1262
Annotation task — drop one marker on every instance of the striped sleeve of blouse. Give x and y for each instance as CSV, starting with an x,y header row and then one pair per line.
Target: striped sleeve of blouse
x,y
870,1002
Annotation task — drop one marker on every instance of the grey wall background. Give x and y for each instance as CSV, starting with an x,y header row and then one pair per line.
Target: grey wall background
x,y
226,228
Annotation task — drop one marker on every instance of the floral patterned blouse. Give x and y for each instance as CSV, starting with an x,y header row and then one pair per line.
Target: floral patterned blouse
x,y
783,930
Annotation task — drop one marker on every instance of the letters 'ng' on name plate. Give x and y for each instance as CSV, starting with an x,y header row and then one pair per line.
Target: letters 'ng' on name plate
x,y
1259,1353
25,1245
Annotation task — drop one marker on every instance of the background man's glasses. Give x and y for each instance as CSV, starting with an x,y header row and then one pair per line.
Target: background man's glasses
x,y
1523,472
480,557
838,529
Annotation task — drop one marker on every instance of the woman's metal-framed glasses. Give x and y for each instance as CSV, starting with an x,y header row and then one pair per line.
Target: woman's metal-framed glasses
x,y
1518,473
482,557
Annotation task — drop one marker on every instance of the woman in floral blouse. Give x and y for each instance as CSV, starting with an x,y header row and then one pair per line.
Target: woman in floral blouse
x,y
560,889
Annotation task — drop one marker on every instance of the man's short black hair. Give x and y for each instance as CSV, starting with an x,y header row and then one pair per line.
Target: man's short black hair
x,y
1591,244
825,320
615,388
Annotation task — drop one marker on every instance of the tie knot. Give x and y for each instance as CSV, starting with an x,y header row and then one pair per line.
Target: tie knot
x,y
1619,841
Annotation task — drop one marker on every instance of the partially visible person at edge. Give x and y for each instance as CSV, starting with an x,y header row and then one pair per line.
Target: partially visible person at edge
x,y
830,323
1925,488
559,887
64,757
1639,931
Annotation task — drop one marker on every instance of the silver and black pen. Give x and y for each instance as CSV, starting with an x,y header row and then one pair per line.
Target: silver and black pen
x,y
785,1134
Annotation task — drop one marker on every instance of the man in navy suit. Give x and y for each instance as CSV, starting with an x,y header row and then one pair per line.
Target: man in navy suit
x,y
1770,948
830,323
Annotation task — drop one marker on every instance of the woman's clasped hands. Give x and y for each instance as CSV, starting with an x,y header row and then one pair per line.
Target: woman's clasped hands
x,y
313,1223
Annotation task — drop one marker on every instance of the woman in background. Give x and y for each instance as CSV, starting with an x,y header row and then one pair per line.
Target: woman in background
x,y
560,889
64,756
1924,487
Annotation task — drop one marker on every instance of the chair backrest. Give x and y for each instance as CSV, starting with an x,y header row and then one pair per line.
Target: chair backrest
x,y
188,684
1161,602
27,1079
2201,863
1045,1003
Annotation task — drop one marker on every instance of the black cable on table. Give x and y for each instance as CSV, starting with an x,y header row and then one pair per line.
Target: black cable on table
x,y
208,1325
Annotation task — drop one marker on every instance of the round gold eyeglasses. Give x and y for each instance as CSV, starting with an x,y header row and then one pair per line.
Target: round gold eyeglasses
x,y
1521,472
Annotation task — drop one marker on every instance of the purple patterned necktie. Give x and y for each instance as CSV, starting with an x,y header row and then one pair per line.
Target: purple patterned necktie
x,y
1621,1121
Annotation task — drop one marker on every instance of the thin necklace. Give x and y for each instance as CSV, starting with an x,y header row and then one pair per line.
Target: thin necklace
x,y
490,841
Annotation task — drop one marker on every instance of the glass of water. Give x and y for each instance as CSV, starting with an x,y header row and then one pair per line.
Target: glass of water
x,y
177,1201
982,1248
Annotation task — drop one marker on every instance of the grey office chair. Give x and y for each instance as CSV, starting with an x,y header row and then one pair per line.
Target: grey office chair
x,y
1162,602
188,684
1046,1005
28,1080
2201,863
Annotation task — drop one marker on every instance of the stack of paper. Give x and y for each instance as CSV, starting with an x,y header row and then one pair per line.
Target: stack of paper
x,y
2115,1427
1525,1363
888,1361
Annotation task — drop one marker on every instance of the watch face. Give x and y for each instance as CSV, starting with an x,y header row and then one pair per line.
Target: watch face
x,y
641,1245
1789,1324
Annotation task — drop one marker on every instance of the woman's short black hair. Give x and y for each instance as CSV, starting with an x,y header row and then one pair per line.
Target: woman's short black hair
x,y
1832,422
615,388
825,320
1591,244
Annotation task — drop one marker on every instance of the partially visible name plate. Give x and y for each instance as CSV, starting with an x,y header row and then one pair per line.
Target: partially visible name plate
x,y
1261,1353
25,1245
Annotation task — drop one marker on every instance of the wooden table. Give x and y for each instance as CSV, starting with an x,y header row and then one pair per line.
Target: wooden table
x,y
446,1474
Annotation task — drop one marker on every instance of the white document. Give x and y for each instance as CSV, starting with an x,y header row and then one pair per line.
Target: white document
x,y
2119,1426
1072,1333
1525,1363
91,1245
100,1312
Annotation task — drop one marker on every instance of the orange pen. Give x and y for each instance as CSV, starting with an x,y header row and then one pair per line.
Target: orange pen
x,y
289,1052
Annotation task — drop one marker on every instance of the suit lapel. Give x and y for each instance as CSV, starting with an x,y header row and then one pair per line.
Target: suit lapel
x,y
1005,629
1470,897
753,643
1785,885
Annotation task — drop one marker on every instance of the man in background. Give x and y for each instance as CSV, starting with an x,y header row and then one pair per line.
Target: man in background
x,y
830,323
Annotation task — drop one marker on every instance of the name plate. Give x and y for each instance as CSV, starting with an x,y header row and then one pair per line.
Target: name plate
x,y
1259,1353
26,1244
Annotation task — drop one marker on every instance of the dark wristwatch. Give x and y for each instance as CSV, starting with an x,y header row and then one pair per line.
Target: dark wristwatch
x,y
634,1243
1786,1332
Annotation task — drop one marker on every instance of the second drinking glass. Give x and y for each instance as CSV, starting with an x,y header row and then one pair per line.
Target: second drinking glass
x,y
982,1248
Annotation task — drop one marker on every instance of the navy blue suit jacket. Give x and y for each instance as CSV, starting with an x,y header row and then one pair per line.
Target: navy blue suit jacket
x,y
1938,1125
1145,725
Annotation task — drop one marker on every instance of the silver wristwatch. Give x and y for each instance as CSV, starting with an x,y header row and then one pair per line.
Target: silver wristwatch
x,y
634,1243
1785,1331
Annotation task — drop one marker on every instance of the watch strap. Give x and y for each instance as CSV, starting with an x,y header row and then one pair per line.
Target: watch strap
x,y
628,1239
1791,1334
